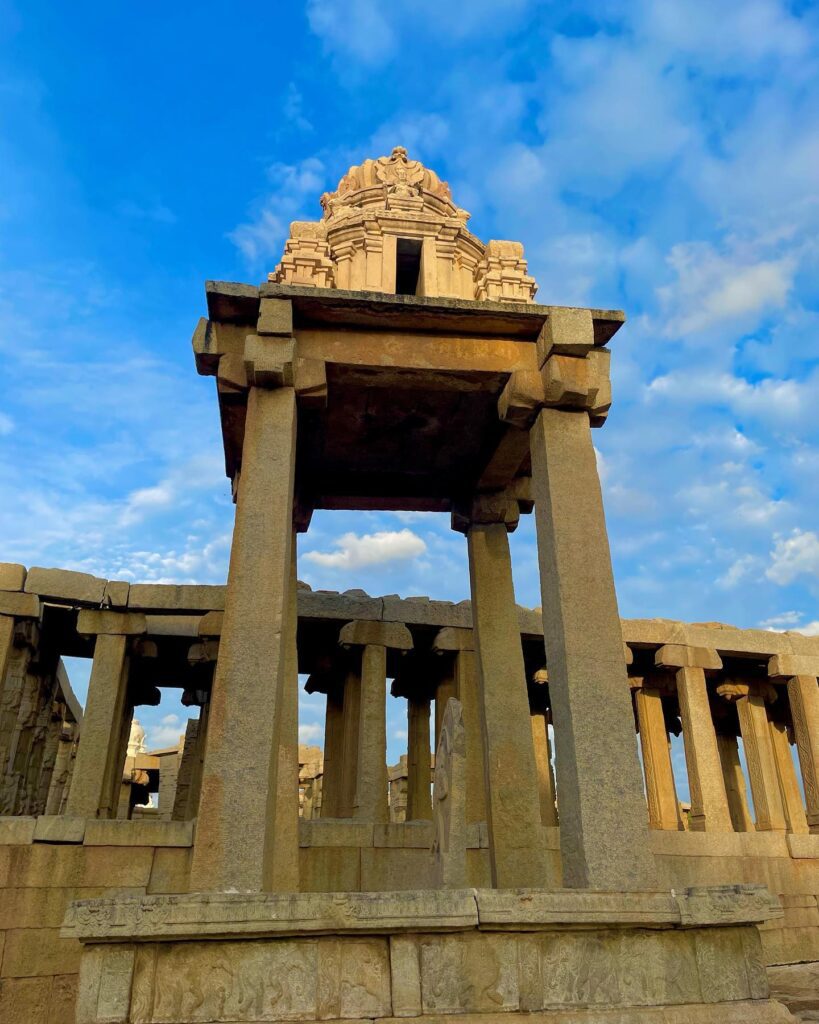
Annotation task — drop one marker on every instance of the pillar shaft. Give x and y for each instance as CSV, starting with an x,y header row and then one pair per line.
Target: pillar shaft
x,y
285,839
349,768
759,756
59,776
233,847
331,789
100,758
792,804
467,692
516,841
663,809
603,822
419,793
734,784
709,803
803,694
545,775
371,803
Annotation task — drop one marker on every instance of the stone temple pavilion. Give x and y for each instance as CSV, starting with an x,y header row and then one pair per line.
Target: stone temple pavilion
x,y
394,361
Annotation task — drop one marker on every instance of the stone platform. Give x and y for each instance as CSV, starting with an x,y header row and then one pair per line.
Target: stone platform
x,y
471,954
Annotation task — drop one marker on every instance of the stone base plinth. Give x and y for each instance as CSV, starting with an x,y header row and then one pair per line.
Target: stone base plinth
x,y
562,957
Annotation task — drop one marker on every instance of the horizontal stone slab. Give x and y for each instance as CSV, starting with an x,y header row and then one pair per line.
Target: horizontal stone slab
x,y
139,832
219,915
20,606
17,830
64,584
59,828
176,597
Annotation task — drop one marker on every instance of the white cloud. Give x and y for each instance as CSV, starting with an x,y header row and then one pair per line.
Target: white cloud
x,y
370,549
744,568
712,287
785,620
293,108
793,556
357,29
166,734
294,186
310,732
810,628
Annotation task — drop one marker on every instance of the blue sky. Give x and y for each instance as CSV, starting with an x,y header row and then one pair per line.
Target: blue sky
x,y
658,157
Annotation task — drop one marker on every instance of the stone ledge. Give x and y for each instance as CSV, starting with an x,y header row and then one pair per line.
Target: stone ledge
x,y
17,830
219,915
803,847
720,844
114,832
59,828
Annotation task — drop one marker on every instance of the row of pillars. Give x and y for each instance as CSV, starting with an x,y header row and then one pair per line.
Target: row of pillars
x,y
251,844
716,779
38,735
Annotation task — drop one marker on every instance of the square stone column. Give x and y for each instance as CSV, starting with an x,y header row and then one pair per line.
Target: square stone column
x,y
371,783
545,776
460,680
333,754
95,787
750,700
419,757
734,783
663,807
516,840
792,805
351,716
234,837
803,696
603,819
709,802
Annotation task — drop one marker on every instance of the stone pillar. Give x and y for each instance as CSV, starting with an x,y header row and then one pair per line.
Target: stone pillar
x,y
803,696
233,846
331,789
351,724
603,822
734,784
419,758
543,761
59,776
516,841
95,787
663,808
285,840
182,809
709,802
460,680
750,700
792,804
371,784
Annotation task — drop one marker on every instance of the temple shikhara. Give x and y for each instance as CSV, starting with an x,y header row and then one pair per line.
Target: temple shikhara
x,y
535,850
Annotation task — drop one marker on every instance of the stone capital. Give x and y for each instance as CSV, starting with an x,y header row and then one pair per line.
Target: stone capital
x,y
453,638
203,651
786,666
579,382
684,656
210,625
366,633
735,689
268,360
493,507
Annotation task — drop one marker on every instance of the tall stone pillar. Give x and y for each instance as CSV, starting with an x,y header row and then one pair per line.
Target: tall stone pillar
x,y
750,700
792,805
331,786
663,808
97,777
734,783
460,680
709,802
543,760
284,861
516,840
603,821
371,783
59,776
234,843
419,792
351,716
803,696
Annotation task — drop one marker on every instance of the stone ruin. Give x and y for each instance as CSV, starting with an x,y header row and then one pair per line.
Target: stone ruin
x,y
534,856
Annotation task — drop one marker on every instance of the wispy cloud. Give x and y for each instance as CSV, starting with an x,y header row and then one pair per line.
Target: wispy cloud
x,y
355,551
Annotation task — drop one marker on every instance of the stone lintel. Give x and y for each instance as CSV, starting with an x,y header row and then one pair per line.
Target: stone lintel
x,y
310,382
452,638
79,587
12,576
684,656
19,605
210,624
219,915
91,622
365,633
786,666
232,302
176,597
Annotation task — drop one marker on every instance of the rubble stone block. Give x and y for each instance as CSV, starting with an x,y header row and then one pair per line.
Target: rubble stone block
x,y
12,576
